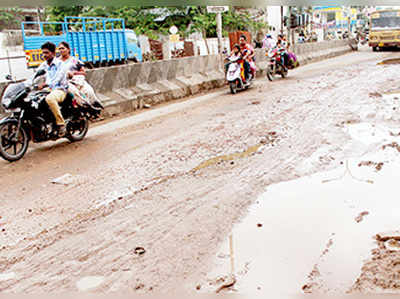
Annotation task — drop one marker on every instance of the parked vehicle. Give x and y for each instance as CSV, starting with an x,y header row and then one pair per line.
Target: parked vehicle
x,y
95,41
235,75
275,66
384,31
30,118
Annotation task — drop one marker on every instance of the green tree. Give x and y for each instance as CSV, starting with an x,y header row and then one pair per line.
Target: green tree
x,y
155,20
9,17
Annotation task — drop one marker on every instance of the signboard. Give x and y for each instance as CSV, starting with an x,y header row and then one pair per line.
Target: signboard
x,y
216,9
34,57
174,38
173,30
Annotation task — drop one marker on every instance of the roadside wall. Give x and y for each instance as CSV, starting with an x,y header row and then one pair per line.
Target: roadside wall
x,y
129,87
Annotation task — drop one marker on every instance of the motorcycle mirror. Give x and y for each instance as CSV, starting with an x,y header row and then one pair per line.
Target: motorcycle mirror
x,y
39,73
8,77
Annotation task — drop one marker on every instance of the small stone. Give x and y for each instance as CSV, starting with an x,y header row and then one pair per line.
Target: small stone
x,y
232,162
198,287
259,225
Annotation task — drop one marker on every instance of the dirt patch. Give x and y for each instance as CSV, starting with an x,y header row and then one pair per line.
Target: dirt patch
x,y
360,217
375,95
378,165
381,273
315,282
393,145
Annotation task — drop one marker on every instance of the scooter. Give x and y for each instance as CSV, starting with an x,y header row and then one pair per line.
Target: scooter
x,y
235,75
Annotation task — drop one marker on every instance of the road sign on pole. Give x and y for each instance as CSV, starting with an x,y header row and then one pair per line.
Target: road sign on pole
x,y
217,9
173,29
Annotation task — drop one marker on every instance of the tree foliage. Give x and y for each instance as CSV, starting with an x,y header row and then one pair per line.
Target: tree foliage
x,y
10,17
155,20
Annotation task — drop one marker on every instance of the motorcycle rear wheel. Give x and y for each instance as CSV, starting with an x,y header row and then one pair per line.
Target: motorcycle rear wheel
x,y
77,129
12,148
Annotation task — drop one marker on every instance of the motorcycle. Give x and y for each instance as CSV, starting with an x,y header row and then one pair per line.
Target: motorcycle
x,y
235,75
275,65
30,118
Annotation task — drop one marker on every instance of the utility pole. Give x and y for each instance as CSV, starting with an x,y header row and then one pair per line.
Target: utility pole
x,y
219,31
282,20
289,23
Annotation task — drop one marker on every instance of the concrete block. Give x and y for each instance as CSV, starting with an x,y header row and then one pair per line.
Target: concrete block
x,y
126,93
144,72
134,72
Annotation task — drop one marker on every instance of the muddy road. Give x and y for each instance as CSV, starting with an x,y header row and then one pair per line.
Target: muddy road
x,y
145,201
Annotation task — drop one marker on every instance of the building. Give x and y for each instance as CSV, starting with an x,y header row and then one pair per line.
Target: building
x,y
12,17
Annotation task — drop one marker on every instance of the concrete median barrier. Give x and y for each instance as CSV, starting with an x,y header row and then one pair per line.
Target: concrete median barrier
x,y
129,87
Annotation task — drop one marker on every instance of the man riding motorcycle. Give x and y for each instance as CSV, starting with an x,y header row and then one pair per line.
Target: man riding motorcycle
x,y
56,81
248,56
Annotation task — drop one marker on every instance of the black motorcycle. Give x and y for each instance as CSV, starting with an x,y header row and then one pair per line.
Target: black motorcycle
x,y
30,118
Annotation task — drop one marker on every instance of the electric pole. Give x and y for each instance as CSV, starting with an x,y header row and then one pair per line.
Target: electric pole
x,y
219,31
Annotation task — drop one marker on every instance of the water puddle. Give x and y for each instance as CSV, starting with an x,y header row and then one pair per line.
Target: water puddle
x,y
89,282
314,233
270,139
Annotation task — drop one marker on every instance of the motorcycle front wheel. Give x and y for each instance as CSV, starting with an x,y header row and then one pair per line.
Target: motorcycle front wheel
x,y
270,73
77,129
13,141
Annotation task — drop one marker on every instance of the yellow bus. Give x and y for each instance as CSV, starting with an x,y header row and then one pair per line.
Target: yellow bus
x,y
384,29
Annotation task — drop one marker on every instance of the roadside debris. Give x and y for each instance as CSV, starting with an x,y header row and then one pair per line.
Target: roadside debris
x,y
377,165
139,251
89,282
360,217
375,95
393,145
383,237
66,179
228,282
255,102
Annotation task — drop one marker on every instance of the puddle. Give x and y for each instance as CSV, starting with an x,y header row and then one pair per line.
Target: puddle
x,y
281,245
270,139
89,282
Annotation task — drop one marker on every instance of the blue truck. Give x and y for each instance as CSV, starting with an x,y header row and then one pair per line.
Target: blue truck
x,y
95,41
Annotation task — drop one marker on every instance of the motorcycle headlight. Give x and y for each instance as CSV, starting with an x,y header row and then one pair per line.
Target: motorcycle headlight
x,y
6,102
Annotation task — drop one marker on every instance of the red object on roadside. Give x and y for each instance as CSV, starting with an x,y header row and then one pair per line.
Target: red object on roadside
x,y
234,37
